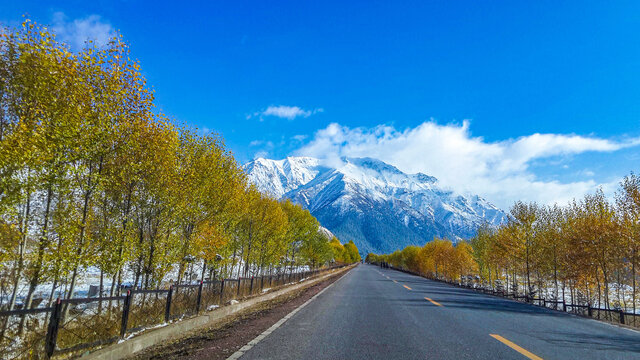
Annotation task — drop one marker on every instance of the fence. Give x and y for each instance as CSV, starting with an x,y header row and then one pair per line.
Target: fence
x,y
23,333
611,315
74,325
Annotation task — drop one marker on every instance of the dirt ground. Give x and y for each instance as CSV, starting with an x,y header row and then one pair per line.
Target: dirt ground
x,y
223,339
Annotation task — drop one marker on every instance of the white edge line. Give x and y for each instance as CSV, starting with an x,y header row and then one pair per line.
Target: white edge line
x,y
252,343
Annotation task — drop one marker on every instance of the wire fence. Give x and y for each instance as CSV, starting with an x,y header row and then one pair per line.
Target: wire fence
x,y
146,308
616,316
72,326
23,334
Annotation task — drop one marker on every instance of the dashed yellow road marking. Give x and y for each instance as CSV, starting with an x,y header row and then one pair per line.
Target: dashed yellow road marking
x,y
516,347
433,302
408,288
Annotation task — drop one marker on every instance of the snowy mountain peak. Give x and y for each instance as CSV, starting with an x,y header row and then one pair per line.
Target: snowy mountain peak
x,y
373,203
426,178
276,177
373,164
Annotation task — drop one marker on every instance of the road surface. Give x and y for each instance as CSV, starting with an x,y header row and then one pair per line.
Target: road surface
x,y
375,313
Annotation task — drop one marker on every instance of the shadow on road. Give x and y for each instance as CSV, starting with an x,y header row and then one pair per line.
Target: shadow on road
x,y
590,341
499,306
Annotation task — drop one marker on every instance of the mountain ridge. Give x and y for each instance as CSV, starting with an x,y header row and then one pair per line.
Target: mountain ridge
x,y
373,203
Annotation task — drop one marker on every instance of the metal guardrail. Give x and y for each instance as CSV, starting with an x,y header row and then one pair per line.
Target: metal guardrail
x,y
71,325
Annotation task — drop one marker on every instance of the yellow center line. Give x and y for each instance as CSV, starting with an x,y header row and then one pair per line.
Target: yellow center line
x,y
408,288
516,347
433,302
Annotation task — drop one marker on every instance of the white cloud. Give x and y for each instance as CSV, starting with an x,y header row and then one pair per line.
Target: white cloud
x,y
260,154
499,170
77,32
262,143
285,112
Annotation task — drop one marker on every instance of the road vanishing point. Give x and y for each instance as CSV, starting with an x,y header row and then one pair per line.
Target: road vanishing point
x,y
375,313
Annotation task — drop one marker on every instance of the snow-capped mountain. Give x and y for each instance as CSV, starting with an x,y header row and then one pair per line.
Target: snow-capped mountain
x,y
373,203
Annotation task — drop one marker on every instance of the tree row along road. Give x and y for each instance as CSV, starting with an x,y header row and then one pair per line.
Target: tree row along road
x,y
375,313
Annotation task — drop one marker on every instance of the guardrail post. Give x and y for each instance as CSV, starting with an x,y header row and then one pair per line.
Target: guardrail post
x,y
167,310
564,306
238,292
125,314
199,297
621,317
589,310
251,286
52,331
221,291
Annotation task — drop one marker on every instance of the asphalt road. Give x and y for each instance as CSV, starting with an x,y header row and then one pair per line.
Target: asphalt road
x,y
374,313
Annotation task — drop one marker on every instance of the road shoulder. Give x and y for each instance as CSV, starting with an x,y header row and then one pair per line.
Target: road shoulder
x,y
225,338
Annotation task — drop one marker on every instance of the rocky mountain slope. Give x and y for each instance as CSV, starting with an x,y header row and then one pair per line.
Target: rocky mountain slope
x,y
373,203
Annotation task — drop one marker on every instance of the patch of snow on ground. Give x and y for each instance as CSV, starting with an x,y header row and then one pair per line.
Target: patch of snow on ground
x,y
142,330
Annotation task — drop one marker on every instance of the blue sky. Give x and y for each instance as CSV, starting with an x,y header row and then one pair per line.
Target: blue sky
x,y
468,84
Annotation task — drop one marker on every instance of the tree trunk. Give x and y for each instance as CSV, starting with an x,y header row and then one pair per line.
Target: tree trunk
x,y
250,238
188,230
528,292
204,268
633,276
24,226
83,227
555,275
35,279
113,283
605,275
140,256
119,288
121,240
53,290
100,291
599,289
148,271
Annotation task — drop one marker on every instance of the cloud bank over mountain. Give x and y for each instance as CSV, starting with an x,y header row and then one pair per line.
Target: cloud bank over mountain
x,y
501,171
